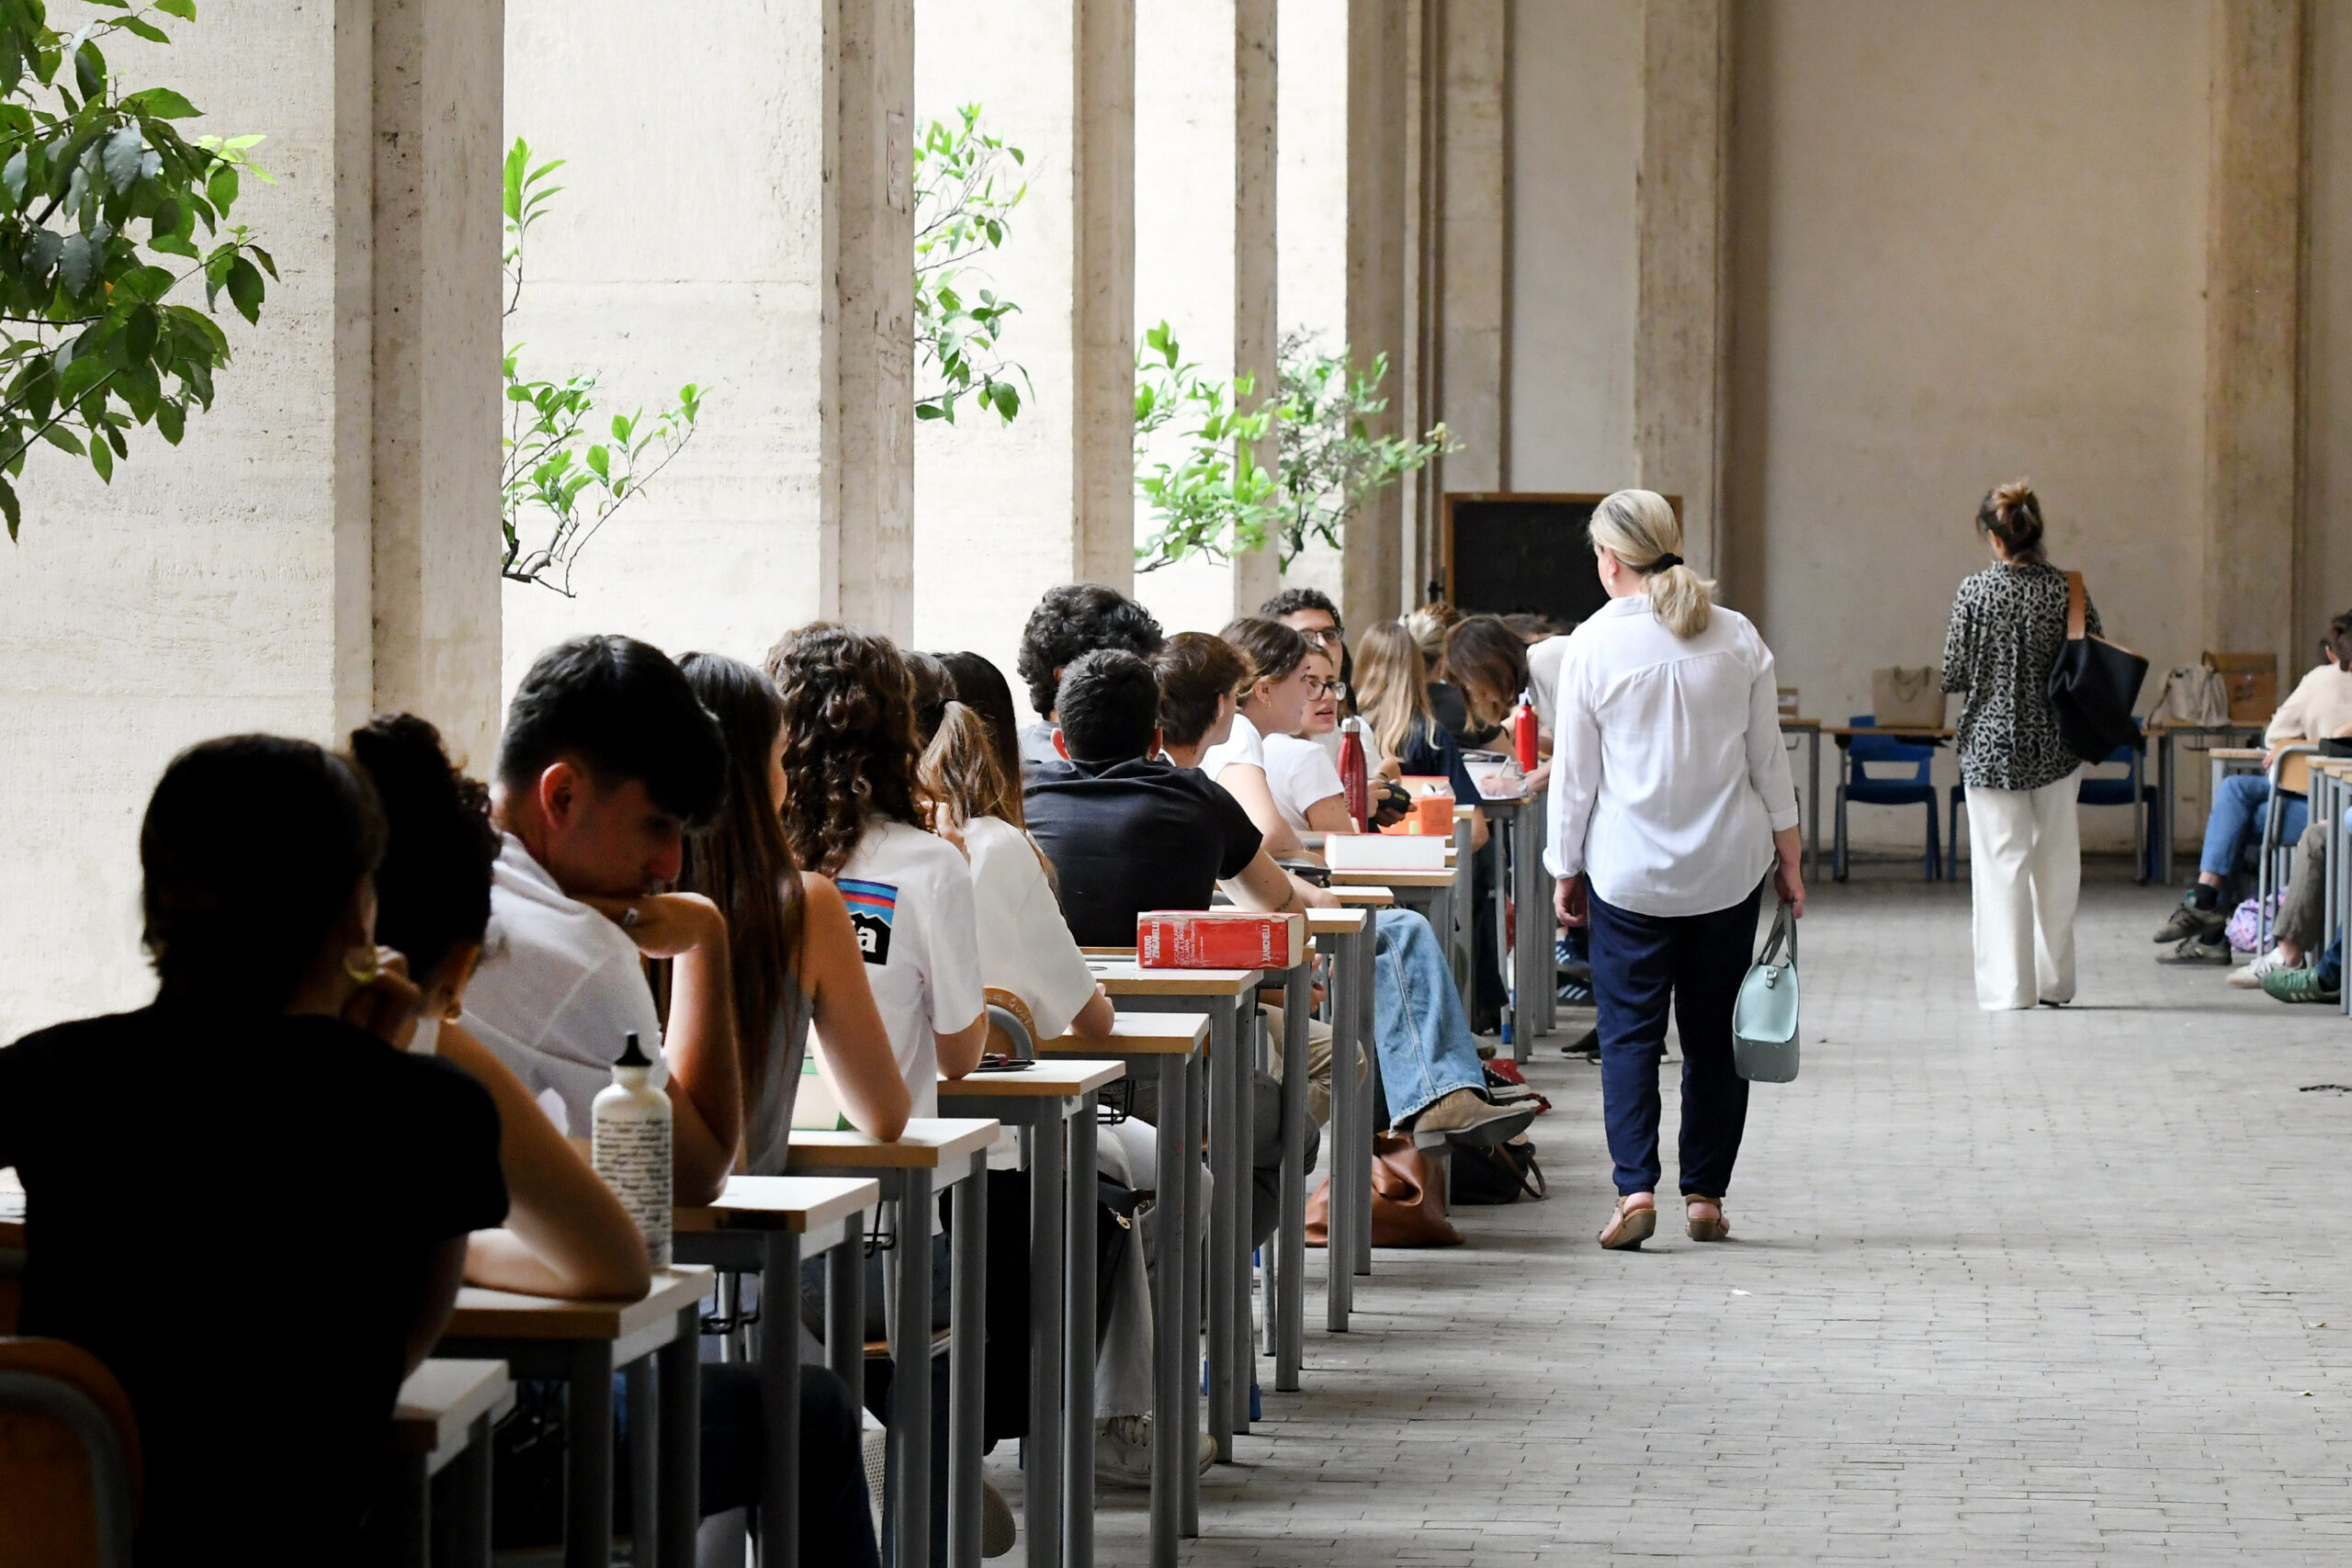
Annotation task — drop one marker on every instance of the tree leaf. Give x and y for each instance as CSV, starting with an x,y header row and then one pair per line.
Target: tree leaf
x,y
184,10
89,71
76,262
171,418
102,459
147,30
124,152
8,505
162,103
58,437
245,288
221,189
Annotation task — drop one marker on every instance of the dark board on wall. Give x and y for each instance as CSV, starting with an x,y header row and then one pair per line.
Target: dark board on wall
x,y
1522,553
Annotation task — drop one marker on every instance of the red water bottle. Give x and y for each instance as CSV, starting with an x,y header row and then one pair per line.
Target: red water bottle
x,y
1354,778
1522,734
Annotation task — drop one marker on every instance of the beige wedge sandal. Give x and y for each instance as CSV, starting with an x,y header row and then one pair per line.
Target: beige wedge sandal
x,y
1628,1228
1716,1229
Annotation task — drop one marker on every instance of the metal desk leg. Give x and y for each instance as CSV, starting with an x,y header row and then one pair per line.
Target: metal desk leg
x,y
1225,1198
1077,1345
779,1331
2165,793
968,1340
909,1319
461,1515
1249,1026
1290,1235
679,1366
1812,804
1169,1458
1360,1179
845,1312
588,1457
406,1536
1347,1051
1041,1450
1533,938
1195,1094
645,1446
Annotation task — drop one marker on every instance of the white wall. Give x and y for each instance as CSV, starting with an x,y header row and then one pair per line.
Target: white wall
x,y
1576,143
1966,248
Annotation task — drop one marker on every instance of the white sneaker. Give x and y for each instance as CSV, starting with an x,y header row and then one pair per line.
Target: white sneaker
x,y
1123,1450
2248,977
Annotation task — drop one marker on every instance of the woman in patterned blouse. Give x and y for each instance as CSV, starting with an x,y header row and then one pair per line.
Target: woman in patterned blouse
x,y
2009,624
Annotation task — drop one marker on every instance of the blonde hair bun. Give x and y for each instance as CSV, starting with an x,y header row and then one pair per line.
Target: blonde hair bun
x,y
1640,529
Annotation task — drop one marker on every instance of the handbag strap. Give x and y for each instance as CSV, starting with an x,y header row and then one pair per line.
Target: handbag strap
x,y
2075,600
1784,936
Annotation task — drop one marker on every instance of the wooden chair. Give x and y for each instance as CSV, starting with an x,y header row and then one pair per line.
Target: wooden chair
x,y
69,1458
2252,681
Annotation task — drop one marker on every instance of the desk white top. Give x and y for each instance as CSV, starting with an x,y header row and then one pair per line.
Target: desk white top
x,y
1062,1079
795,1204
441,1399
507,1314
929,1143
1140,1034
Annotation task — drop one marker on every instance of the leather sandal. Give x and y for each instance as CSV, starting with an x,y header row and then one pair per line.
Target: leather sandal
x,y
1628,1228
1716,1229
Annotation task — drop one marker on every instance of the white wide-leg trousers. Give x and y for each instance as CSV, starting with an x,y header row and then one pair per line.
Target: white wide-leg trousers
x,y
2025,875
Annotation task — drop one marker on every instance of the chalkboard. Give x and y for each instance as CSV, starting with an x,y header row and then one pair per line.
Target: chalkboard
x,y
1522,553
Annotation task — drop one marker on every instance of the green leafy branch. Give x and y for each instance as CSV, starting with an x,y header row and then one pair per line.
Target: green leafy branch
x,y
557,487
1214,498
90,343
1331,459
963,194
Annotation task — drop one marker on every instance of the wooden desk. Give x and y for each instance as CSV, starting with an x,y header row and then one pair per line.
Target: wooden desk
x,y
1047,1100
654,1341
1230,999
761,1225
441,1419
1168,1047
1348,937
1366,897
933,1152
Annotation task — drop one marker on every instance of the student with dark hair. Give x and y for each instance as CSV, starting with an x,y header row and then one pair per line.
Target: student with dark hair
x,y
853,810
1485,661
792,951
606,760
273,1051
1073,619
981,686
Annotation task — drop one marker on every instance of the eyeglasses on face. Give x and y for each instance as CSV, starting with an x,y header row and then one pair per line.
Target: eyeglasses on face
x,y
1324,637
1336,690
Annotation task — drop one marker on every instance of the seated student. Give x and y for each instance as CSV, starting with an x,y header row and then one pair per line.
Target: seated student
x,y
1075,618
2301,911
1130,830
851,810
267,1076
1279,689
606,760
1487,663
1392,693
2319,707
792,951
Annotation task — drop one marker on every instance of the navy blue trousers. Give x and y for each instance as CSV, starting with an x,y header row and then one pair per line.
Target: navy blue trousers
x,y
1641,966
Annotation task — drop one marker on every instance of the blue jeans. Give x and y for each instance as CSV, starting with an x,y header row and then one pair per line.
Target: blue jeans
x,y
2236,821
1423,1038
2331,964
1641,966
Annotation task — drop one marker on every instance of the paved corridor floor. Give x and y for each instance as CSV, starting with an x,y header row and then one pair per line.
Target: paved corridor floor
x,y
2051,1287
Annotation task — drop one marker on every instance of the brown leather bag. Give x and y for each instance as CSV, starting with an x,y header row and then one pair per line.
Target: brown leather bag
x,y
1407,1199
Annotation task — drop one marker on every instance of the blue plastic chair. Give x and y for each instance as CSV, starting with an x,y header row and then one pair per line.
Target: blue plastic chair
x,y
2130,788
1917,788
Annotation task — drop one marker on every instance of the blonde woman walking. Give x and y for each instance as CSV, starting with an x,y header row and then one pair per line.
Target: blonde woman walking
x,y
1670,802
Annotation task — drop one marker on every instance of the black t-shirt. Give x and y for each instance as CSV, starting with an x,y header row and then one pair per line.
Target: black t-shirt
x,y
233,1213
1137,835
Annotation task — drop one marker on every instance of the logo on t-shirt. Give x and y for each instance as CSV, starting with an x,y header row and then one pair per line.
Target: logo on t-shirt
x,y
872,907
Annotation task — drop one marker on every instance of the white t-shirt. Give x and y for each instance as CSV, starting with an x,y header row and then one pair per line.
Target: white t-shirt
x,y
1544,678
1300,772
1243,745
559,990
1026,946
910,897
1330,746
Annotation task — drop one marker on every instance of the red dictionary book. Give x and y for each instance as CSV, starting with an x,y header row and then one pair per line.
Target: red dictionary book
x,y
1218,939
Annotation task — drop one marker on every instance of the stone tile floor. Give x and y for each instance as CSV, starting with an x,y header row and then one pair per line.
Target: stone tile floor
x,y
2051,1287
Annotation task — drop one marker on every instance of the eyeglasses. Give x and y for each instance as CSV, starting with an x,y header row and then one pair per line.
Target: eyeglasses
x,y
1325,637
1336,690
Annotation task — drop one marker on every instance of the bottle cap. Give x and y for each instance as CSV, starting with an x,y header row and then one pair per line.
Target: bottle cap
x,y
630,1055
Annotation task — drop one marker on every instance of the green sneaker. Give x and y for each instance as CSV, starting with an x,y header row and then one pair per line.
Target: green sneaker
x,y
2296,985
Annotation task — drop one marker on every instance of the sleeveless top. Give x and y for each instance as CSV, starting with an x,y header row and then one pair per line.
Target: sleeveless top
x,y
767,1109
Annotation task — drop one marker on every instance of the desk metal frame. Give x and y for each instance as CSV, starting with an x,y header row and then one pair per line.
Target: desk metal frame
x,y
1349,1159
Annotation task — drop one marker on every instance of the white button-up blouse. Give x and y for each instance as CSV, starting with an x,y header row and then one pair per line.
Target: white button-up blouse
x,y
1668,777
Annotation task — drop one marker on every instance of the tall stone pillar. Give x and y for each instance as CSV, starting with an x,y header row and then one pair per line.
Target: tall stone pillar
x,y
869,195
1003,512
1204,243
1474,236
435,404
2253,328
1682,211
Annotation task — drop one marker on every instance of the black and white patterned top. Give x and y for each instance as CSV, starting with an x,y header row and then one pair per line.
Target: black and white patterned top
x,y
2008,626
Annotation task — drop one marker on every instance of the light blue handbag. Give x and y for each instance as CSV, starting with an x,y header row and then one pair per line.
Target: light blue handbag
x,y
1764,1021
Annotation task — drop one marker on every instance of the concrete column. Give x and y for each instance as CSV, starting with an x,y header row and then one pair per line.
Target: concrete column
x,y
870,227
1377,574
1679,336
1475,231
1205,241
436,403
1003,512
2253,328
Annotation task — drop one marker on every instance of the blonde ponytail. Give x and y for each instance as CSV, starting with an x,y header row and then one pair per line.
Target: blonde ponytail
x,y
1640,529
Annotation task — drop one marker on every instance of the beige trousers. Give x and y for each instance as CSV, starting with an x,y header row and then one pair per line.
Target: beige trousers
x,y
2025,872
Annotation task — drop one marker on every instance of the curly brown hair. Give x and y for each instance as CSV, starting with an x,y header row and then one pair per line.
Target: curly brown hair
x,y
849,739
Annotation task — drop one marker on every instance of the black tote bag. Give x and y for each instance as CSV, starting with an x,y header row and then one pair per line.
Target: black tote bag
x,y
2094,686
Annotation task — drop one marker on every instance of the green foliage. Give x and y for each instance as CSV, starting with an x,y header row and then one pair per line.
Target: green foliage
x,y
1332,458
559,486
91,341
1215,499
963,196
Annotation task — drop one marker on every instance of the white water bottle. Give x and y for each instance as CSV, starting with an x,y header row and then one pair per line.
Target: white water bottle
x,y
630,1148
